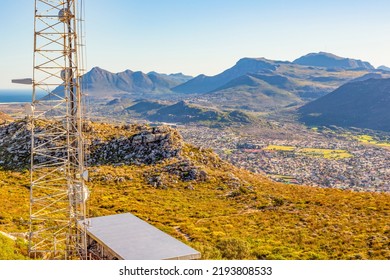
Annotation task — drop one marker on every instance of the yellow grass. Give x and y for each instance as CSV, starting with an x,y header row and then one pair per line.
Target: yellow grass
x,y
258,219
326,153
367,139
315,152
280,148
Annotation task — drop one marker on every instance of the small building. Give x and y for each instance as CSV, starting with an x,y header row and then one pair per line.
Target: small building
x,y
126,237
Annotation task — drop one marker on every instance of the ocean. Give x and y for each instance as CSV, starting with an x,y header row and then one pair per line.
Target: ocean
x,y
17,96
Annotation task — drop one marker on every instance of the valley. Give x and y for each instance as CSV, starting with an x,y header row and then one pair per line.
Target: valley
x,y
294,154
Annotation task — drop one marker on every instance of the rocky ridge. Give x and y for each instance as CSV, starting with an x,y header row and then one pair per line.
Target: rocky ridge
x,y
162,147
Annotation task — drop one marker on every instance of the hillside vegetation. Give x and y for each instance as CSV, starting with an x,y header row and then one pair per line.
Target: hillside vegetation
x,y
222,211
184,112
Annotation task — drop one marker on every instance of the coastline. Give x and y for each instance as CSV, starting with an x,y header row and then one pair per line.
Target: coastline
x,y
8,96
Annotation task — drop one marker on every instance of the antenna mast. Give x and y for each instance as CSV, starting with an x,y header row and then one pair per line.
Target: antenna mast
x,y
58,216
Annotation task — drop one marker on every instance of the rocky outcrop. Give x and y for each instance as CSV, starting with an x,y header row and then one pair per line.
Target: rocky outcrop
x,y
183,170
162,148
15,145
147,147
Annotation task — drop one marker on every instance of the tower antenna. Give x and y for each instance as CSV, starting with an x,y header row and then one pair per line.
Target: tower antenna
x,y
58,194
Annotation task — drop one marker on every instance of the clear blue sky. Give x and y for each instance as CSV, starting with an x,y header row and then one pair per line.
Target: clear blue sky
x,y
205,36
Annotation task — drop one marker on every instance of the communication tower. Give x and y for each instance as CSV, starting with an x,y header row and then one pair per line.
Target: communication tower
x,y
58,194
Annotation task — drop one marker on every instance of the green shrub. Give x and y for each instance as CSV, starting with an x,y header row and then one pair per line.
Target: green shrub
x,y
233,248
12,250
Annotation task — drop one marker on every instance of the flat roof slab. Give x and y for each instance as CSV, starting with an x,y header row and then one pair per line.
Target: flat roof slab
x,y
134,239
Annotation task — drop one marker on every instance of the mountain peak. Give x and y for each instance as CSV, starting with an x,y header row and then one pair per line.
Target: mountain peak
x,y
128,71
257,63
204,84
384,68
329,60
325,54
97,69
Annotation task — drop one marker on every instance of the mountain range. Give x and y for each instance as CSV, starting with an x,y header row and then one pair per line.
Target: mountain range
x,y
252,83
245,66
102,83
363,104
260,84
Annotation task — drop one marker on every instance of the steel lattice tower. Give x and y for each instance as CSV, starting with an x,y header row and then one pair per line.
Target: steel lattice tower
x,y
58,193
